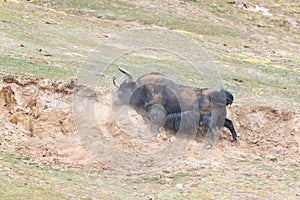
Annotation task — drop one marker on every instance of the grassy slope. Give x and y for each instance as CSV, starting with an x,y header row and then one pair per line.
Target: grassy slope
x,y
263,52
272,180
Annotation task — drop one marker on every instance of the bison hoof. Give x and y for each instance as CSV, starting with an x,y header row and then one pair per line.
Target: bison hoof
x,y
154,128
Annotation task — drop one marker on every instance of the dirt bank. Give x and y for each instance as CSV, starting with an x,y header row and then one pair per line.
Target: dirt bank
x,y
36,120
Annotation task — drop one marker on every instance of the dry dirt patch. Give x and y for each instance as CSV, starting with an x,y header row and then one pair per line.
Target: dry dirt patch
x,y
36,120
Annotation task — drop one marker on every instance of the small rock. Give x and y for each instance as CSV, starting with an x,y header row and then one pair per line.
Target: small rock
x,y
238,80
179,186
150,198
231,1
48,55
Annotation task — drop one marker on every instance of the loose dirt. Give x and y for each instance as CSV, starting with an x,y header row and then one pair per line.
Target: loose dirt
x,y
36,120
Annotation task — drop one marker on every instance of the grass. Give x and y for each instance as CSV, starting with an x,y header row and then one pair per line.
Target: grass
x,y
134,11
13,185
32,68
70,49
21,174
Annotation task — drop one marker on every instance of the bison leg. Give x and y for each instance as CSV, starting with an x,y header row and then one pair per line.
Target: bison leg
x,y
187,121
212,127
157,117
210,123
212,132
228,124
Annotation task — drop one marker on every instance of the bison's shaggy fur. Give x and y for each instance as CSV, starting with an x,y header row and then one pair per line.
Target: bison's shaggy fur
x,y
176,106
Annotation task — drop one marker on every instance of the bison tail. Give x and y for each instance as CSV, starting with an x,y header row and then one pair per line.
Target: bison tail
x,y
229,98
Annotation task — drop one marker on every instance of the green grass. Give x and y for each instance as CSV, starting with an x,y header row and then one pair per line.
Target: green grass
x,y
16,189
13,185
133,11
71,46
22,67
21,174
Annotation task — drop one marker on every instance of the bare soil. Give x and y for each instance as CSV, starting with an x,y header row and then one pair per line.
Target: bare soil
x,y
36,120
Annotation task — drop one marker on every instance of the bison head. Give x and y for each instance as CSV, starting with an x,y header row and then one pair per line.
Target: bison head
x,y
125,90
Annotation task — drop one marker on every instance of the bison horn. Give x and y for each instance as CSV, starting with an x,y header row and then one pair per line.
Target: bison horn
x,y
129,76
114,81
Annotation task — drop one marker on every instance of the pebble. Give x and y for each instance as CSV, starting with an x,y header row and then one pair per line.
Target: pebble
x,y
179,186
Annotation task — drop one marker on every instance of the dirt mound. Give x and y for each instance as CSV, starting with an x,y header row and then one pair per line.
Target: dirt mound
x,y
268,132
36,120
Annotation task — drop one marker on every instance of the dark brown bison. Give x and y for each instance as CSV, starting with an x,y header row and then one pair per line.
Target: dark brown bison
x,y
175,106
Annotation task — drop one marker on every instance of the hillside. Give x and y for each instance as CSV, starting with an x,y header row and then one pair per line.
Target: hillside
x,y
48,48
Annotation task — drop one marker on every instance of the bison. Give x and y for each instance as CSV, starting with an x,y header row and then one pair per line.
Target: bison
x,y
173,105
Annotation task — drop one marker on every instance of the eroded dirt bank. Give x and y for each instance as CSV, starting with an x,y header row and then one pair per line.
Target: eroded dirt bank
x,y
36,120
